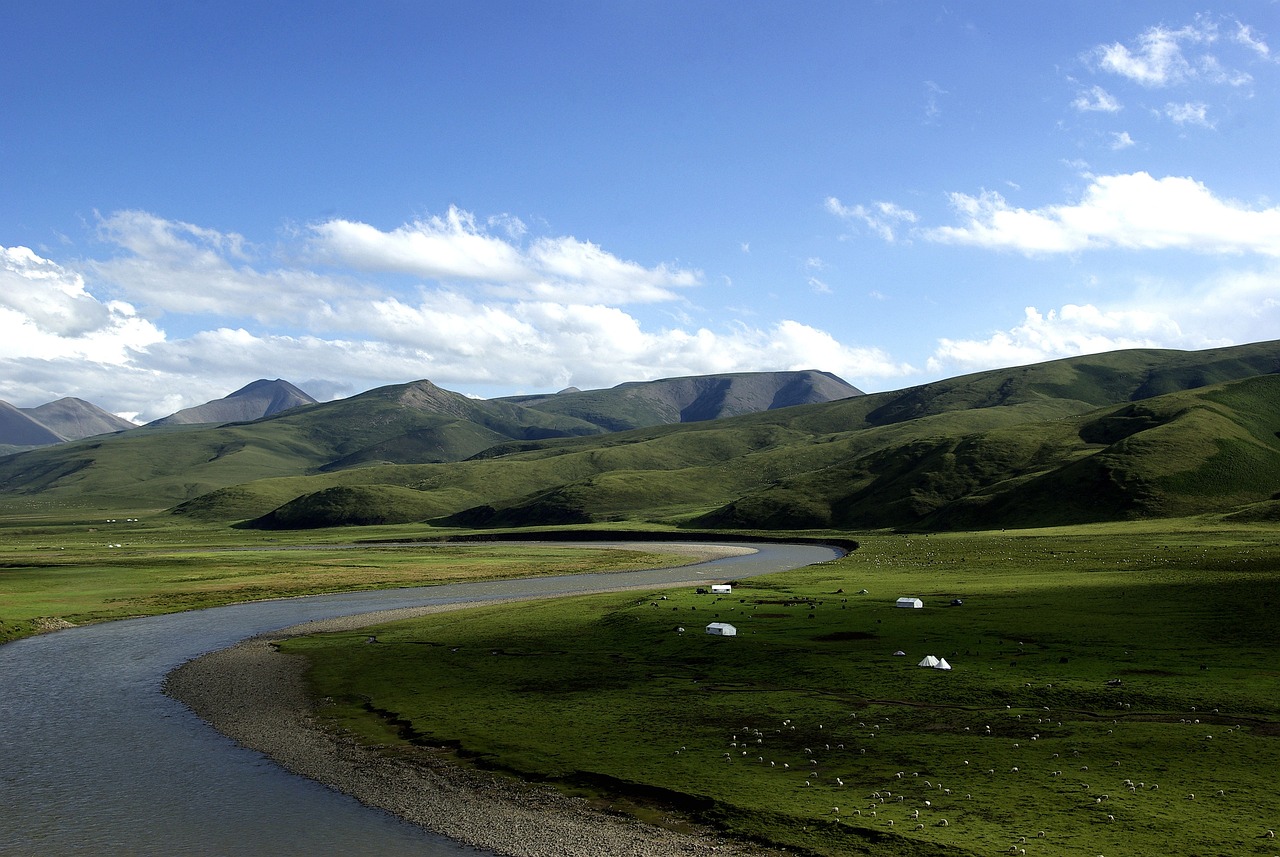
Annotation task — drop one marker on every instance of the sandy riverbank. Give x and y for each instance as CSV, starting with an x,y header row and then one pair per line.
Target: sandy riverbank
x,y
256,696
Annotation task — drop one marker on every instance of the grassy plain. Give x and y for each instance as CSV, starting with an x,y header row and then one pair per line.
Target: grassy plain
x,y
59,571
1102,676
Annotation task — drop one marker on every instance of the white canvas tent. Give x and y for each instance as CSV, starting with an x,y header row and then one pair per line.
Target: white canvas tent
x,y
722,629
912,603
929,661
721,588
942,664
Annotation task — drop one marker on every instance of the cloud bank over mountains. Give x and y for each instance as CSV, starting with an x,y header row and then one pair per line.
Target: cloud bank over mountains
x,y
344,306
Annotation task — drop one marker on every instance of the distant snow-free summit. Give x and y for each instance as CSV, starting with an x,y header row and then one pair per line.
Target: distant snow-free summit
x,y
254,401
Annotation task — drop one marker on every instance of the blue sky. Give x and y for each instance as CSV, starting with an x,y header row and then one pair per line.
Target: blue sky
x,y
509,197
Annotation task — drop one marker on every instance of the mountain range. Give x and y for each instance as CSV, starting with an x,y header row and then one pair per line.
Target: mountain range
x,y
1143,433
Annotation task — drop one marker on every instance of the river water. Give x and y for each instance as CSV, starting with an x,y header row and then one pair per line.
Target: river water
x,y
95,759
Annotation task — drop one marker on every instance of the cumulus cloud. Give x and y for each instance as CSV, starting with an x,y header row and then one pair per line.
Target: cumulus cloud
x,y
476,308
46,313
455,248
1133,211
882,218
1067,332
1231,306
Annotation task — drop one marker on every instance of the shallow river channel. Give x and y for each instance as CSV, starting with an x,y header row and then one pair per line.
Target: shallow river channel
x,y
95,759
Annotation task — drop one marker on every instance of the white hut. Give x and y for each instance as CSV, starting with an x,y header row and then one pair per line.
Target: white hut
x,y
721,589
911,603
722,629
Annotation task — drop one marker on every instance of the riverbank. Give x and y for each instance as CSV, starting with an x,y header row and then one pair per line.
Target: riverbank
x,y
256,696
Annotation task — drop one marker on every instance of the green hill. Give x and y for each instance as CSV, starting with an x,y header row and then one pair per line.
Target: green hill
x,y
1130,434
991,449
172,461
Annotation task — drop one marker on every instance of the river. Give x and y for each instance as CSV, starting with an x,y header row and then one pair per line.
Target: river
x,y
95,759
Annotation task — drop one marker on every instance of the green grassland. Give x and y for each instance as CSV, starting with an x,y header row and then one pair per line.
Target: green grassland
x,y
1102,675
58,571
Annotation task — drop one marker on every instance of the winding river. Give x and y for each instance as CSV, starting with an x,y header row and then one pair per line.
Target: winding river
x,y
95,759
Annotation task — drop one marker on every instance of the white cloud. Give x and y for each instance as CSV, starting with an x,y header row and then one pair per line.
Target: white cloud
x,y
882,218
819,287
1121,140
342,331
176,267
1189,114
932,108
1133,211
1163,57
1067,332
1229,307
46,314
455,248
452,247
1096,100
1158,59
1246,36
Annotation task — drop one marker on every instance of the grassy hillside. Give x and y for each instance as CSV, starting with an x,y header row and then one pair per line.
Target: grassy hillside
x,y
691,399
1076,440
1211,449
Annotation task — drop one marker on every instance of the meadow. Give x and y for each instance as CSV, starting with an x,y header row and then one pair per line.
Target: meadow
x,y
1112,692
57,571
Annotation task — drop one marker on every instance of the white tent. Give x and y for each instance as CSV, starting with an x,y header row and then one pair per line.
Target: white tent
x,y
721,588
942,664
914,603
929,661
899,653
722,629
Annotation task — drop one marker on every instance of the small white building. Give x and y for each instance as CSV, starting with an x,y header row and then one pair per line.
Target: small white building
x,y
722,629
911,603
721,589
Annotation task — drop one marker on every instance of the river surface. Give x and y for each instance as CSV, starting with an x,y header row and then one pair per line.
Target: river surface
x,y
95,759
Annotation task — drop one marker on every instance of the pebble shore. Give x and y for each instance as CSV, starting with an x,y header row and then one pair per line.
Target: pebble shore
x,y
256,695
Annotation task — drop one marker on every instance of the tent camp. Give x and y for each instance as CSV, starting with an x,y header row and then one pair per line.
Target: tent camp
x,y
934,663
912,603
722,629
